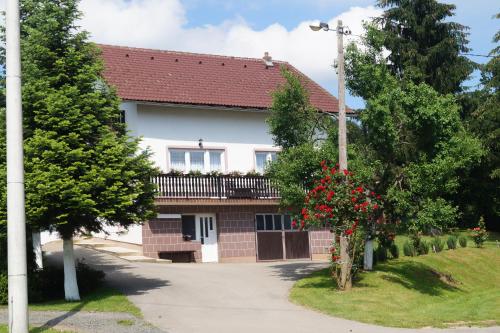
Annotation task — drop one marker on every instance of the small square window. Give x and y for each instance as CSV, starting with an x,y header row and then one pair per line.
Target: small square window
x,y
287,221
189,226
277,222
260,222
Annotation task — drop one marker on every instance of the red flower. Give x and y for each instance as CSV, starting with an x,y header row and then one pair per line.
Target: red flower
x,y
375,207
379,197
294,224
330,195
333,171
304,211
323,163
348,232
359,189
372,193
346,172
353,199
302,224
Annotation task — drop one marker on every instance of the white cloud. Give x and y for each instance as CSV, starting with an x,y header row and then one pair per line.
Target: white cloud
x,y
162,24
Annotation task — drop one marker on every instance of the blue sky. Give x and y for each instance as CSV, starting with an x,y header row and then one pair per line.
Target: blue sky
x,y
248,28
259,14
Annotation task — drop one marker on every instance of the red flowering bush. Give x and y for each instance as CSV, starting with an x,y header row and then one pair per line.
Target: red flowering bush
x,y
479,234
339,200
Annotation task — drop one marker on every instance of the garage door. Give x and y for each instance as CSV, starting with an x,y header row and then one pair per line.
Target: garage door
x,y
277,240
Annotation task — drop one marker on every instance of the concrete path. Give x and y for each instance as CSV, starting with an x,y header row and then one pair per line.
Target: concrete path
x,y
86,322
227,298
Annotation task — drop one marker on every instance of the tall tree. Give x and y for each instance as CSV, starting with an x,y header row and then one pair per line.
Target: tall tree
x,y
419,138
481,189
82,170
424,45
293,120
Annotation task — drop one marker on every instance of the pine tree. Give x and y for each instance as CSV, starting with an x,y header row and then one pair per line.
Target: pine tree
x,y
424,46
82,170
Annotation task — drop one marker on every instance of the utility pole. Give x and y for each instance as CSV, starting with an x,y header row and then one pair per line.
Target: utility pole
x,y
342,114
16,219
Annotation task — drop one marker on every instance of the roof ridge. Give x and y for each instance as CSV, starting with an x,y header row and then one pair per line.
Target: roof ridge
x,y
188,53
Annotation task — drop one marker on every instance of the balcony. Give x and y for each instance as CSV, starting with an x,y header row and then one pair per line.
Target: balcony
x,y
181,187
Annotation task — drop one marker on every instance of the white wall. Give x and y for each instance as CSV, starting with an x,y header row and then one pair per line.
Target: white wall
x,y
239,133
132,235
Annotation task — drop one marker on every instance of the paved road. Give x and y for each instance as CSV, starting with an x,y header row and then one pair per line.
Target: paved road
x,y
227,298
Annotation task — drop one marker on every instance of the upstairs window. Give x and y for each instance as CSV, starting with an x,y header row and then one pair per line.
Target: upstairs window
x,y
121,117
262,159
196,160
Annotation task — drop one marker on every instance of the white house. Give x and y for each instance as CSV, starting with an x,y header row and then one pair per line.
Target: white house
x,y
207,113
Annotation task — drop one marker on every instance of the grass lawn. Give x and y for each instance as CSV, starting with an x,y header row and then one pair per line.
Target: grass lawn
x,y
104,299
451,288
5,329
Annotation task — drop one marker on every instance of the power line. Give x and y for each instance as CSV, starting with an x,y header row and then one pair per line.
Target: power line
x,y
478,55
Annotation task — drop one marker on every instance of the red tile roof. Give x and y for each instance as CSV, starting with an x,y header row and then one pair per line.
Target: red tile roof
x,y
201,79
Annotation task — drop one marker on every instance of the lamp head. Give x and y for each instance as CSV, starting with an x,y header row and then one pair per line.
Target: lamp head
x,y
321,26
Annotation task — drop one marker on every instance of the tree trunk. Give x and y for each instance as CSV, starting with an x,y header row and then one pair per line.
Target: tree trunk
x,y
368,257
71,292
345,266
37,248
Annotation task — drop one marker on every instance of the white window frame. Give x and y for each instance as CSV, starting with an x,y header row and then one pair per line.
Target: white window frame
x,y
269,158
206,159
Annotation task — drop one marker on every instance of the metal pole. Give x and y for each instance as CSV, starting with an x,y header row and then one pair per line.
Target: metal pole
x,y
16,227
342,115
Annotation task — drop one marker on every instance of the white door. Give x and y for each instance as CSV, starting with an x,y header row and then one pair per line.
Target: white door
x,y
207,230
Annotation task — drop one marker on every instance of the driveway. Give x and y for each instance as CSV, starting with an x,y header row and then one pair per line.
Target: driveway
x,y
226,298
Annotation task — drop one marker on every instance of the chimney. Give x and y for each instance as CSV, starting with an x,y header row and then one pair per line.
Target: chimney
x,y
268,60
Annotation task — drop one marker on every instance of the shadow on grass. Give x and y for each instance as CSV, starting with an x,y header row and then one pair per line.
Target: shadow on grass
x,y
417,276
411,275
124,283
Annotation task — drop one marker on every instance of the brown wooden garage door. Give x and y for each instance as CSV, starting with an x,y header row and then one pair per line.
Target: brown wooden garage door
x,y
276,240
270,245
297,244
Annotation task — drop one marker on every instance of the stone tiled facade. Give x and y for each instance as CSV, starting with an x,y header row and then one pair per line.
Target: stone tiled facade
x,y
320,241
161,235
235,232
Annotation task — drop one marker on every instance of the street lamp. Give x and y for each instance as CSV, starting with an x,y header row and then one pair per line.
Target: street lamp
x,y
341,31
322,26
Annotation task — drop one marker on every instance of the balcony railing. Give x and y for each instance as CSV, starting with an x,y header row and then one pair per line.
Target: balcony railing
x,y
215,187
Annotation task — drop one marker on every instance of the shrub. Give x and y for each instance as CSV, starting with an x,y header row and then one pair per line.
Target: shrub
x,y
4,290
48,283
409,249
394,249
462,240
451,242
437,244
479,233
423,247
381,254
